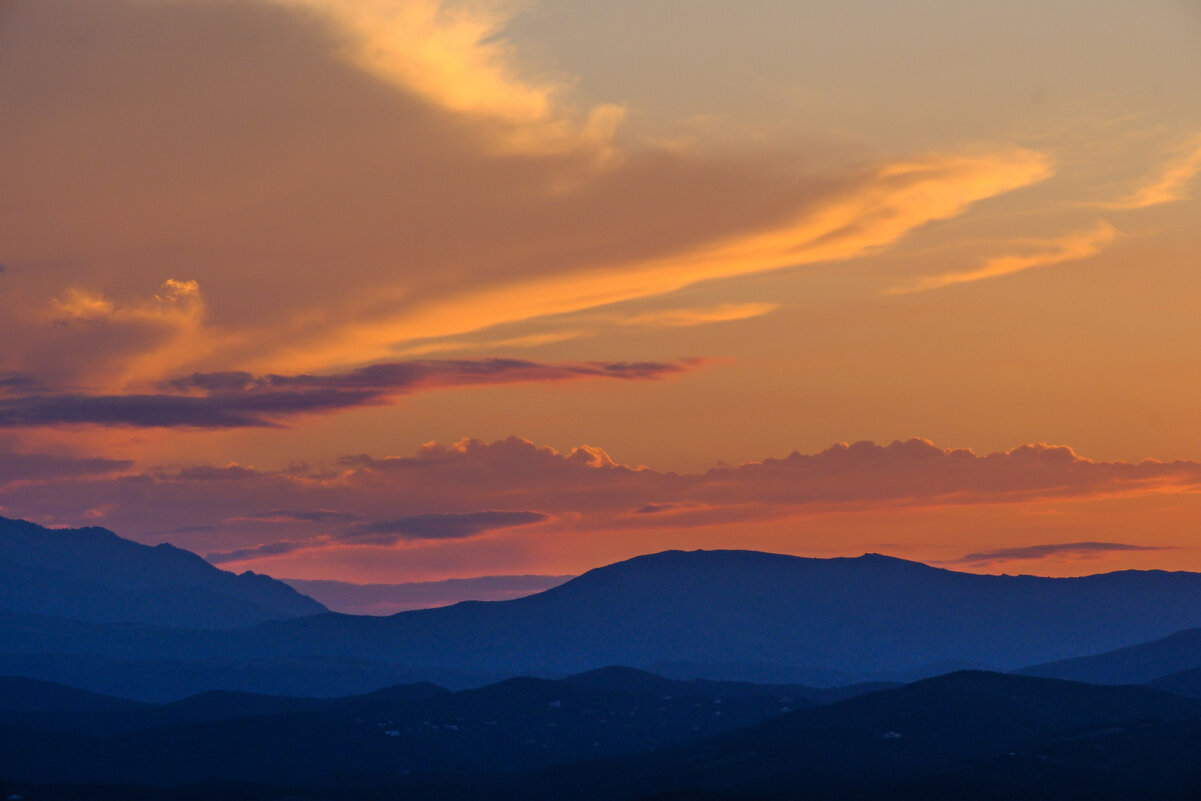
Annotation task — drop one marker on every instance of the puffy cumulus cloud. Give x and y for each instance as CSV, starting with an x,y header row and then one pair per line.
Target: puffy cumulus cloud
x,y
242,400
331,215
1071,549
1069,247
432,498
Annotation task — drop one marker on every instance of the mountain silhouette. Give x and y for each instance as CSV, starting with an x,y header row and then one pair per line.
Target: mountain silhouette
x,y
862,615
1136,664
733,615
92,574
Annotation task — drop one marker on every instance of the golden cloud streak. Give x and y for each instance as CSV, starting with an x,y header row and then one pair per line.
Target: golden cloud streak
x,y
1170,186
453,57
1071,247
896,200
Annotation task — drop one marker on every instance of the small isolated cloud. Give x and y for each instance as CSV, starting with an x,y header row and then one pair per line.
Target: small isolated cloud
x,y
295,516
233,472
655,508
46,467
1070,247
1052,549
260,551
1169,186
684,318
384,533
438,527
243,400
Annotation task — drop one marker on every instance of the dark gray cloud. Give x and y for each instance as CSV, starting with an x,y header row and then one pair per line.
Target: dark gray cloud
x,y
654,508
17,382
298,516
389,532
46,467
1051,549
270,549
242,400
209,473
438,526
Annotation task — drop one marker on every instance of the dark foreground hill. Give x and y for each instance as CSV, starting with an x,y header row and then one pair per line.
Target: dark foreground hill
x,y
513,726
92,574
964,735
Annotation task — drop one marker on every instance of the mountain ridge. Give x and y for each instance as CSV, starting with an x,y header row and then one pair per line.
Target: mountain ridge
x,y
93,574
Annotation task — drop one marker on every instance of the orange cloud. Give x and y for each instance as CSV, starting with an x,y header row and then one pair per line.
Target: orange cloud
x,y
1169,186
875,211
438,493
1070,247
377,213
453,55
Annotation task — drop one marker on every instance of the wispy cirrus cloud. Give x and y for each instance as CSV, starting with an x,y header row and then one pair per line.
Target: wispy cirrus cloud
x,y
1069,247
517,233
243,400
1169,186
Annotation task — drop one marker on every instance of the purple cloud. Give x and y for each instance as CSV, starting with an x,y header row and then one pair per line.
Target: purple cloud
x,y
1051,549
242,400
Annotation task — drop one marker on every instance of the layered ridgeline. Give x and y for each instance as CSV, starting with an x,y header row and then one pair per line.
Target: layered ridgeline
x,y
768,617
54,733
615,736
717,614
91,574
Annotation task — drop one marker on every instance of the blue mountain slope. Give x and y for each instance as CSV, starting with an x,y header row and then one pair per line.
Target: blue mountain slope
x,y
92,574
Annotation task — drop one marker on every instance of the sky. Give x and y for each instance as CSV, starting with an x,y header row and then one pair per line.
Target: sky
x,y
386,291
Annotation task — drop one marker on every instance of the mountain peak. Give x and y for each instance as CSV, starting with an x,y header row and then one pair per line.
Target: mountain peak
x,y
94,574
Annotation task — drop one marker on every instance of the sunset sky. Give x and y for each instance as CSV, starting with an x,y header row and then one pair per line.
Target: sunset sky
x,y
407,290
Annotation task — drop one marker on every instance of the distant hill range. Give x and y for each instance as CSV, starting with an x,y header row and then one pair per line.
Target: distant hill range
x,y
1178,654
92,610
388,599
815,620
91,574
